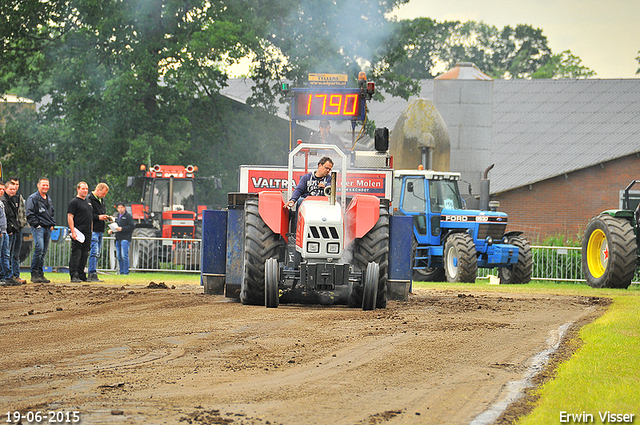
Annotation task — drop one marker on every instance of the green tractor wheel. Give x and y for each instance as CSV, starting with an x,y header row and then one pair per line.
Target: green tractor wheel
x,y
609,252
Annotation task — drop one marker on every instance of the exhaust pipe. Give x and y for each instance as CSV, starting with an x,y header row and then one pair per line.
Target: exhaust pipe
x,y
332,196
427,158
485,194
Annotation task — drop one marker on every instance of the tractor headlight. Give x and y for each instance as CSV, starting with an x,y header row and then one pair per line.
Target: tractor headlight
x,y
313,247
333,248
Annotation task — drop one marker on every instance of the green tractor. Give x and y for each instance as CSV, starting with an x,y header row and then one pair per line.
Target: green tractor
x,y
610,246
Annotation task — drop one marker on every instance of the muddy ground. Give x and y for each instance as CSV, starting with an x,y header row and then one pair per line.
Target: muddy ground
x,y
139,355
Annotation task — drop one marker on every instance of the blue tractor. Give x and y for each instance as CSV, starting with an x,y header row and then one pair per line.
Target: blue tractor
x,y
450,242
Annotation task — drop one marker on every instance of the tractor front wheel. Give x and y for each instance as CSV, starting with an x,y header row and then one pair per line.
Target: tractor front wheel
x,y
271,292
370,292
460,261
521,271
609,252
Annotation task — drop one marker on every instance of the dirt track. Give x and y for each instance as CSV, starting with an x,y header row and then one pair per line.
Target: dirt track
x,y
138,355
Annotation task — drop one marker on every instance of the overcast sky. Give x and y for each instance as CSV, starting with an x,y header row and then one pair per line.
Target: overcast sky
x,y
605,34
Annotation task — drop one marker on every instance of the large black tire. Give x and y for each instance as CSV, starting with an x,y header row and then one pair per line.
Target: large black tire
x,y
609,252
521,271
460,261
430,274
146,252
372,247
370,291
260,244
271,292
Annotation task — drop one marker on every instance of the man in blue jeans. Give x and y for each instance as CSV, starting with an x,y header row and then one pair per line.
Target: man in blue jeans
x,y
123,233
5,265
40,216
99,217
12,230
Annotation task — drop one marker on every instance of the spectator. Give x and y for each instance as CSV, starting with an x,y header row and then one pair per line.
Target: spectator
x,y
80,219
4,244
42,221
123,232
12,231
22,223
326,137
95,198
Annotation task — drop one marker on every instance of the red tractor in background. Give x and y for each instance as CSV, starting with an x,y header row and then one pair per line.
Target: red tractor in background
x,y
168,209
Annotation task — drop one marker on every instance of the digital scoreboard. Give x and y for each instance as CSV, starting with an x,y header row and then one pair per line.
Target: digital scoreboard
x,y
327,104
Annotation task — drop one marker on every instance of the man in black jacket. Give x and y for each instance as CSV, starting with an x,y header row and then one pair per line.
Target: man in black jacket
x,y
40,215
22,223
13,227
123,232
95,198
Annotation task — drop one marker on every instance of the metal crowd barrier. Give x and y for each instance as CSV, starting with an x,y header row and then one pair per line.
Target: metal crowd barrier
x,y
561,264
145,254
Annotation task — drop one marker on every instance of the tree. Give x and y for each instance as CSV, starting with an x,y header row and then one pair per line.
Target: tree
x,y
563,65
120,76
26,145
424,47
410,56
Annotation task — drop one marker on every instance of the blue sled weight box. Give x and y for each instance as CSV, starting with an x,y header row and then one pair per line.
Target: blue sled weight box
x,y
400,267
214,251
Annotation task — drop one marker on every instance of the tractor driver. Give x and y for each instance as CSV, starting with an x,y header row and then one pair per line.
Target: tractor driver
x,y
313,183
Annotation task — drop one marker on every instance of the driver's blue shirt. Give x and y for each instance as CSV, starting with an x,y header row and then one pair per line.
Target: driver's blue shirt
x,y
309,185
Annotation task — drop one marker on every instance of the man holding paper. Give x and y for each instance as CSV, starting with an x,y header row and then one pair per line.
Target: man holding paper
x,y
80,219
95,198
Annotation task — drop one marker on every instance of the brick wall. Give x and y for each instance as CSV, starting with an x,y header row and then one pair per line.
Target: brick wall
x,y
564,204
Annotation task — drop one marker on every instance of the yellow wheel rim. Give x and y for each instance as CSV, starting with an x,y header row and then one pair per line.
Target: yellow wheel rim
x,y
597,253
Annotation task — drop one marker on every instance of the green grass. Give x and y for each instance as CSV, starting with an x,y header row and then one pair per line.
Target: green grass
x,y
141,278
604,373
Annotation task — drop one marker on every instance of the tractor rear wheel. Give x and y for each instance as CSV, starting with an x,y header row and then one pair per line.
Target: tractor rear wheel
x,y
370,292
372,247
609,252
271,293
146,251
460,261
521,271
260,244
